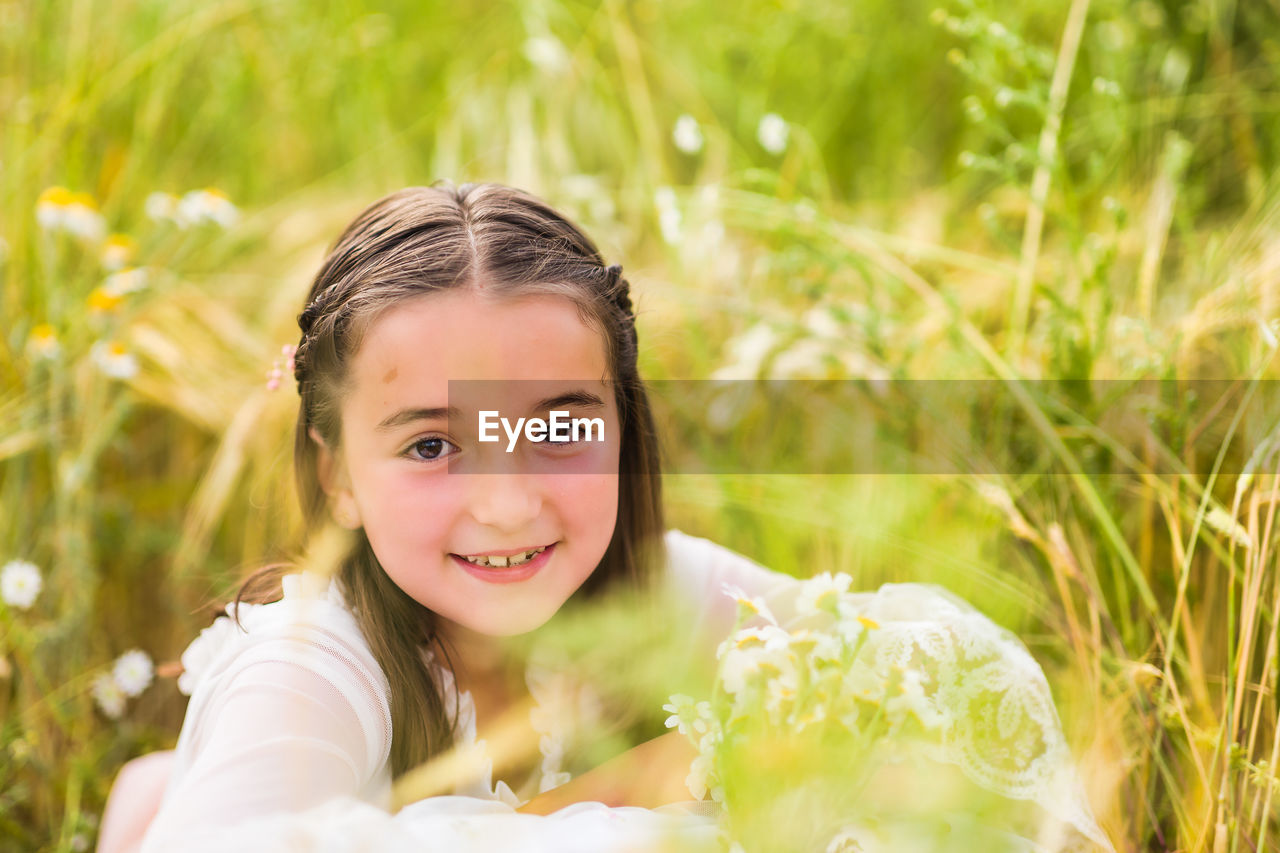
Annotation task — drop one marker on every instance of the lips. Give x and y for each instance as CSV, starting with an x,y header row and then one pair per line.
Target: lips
x,y
489,573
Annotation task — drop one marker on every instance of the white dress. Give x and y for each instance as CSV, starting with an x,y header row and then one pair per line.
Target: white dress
x,y
287,736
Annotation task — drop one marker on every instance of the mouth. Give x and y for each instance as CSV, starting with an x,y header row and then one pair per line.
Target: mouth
x,y
506,568
504,559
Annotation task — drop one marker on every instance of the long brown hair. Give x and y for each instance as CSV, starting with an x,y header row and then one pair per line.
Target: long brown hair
x,y
423,240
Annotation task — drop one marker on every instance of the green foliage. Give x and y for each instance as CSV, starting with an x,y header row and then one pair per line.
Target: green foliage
x,y
882,235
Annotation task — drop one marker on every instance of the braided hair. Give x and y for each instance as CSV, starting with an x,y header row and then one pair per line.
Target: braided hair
x,y
424,240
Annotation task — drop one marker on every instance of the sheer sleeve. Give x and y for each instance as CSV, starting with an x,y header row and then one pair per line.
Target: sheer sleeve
x,y
288,711
698,571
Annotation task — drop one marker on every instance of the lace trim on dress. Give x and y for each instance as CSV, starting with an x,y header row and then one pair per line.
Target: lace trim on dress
x,y
561,707
997,720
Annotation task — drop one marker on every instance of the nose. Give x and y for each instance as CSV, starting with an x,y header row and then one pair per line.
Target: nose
x,y
507,502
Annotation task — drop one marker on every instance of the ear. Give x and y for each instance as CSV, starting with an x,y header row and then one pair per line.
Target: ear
x,y
332,473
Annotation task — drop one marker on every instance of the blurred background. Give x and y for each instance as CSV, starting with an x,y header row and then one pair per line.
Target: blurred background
x,y
947,189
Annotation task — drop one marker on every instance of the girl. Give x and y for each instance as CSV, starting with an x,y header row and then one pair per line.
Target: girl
x,y
438,305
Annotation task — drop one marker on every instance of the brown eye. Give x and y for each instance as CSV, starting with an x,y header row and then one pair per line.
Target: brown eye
x,y
430,449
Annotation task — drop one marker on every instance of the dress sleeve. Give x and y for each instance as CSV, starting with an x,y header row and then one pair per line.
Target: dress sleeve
x,y
285,727
699,571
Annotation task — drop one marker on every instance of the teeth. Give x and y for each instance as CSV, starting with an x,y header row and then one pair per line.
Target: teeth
x,y
505,562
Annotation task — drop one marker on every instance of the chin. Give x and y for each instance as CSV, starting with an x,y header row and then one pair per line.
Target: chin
x,y
514,626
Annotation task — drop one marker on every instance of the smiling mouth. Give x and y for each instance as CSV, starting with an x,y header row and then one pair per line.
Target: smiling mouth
x,y
494,562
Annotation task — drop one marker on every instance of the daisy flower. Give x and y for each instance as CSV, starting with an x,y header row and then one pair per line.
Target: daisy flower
x,y
117,251
669,217
107,693
209,205
59,209
772,133
133,672
20,583
43,342
749,605
125,281
821,593
114,360
547,54
161,207
687,135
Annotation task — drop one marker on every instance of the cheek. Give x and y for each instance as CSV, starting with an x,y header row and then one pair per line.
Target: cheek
x,y
405,506
589,500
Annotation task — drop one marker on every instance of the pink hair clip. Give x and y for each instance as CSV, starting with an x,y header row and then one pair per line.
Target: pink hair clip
x,y
280,366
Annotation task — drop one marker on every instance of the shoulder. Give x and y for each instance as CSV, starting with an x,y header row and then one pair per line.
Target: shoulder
x,y
309,631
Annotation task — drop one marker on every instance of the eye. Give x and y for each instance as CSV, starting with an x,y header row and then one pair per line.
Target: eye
x,y
429,449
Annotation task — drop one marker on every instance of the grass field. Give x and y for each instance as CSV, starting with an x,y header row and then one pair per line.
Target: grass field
x,y
1042,193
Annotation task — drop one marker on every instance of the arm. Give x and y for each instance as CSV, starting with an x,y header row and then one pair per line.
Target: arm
x,y
133,802
280,737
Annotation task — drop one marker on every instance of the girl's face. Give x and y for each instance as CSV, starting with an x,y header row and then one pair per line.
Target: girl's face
x,y
442,509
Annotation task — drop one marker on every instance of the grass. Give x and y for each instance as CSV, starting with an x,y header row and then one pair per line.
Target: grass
x,y
1038,196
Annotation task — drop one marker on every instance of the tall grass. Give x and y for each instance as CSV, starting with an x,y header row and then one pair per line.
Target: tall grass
x,y
1054,192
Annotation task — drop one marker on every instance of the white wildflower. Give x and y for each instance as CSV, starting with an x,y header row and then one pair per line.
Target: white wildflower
x,y
912,700
687,135
117,251
822,322
546,53
126,281
687,716
737,667
750,651
20,583
772,133
59,209
827,649
114,360
670,219
779,694
161,207
821,593
108,695
749,605
747,353
82,219
43,342
696,781
200,207
805,359
133,672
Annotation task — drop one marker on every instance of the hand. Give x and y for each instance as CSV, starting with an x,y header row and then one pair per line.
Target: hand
x,y
649,775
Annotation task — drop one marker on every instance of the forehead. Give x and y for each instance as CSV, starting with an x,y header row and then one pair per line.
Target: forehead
x,y
413,349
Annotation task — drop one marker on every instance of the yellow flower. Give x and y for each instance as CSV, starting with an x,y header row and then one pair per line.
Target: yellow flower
x,y
59,209
117,251
43,341
103,301
50,204
868,623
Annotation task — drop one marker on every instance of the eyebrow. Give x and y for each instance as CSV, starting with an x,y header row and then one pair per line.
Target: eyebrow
x,y
581,398
408,416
